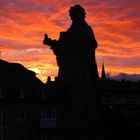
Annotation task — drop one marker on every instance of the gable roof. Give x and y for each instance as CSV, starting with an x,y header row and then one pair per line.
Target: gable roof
x,y
16,75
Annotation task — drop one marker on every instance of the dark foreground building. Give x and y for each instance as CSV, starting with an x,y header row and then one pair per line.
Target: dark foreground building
x,y
19,92
31,110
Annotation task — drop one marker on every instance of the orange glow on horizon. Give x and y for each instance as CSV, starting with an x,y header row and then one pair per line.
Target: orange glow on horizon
x,y
24,23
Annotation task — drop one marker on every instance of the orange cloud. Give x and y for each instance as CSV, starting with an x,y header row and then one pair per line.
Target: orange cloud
x,y
115,24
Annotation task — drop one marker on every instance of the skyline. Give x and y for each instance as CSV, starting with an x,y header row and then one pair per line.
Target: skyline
x,y
115,25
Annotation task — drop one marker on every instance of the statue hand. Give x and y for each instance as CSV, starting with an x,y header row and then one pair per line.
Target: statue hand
x,y
46,40
45,36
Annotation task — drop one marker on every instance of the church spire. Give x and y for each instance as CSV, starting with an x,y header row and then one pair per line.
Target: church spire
x,y
103,75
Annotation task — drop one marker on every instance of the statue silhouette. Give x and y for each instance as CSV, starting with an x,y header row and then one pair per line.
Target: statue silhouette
x,y
75,54
75,51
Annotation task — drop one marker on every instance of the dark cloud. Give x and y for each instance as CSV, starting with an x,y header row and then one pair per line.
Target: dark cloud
x,y
25,6
125,76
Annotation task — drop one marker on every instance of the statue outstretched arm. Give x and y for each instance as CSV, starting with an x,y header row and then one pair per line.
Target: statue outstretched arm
x,y
53,43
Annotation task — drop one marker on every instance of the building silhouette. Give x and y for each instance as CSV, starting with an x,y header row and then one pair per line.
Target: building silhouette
x,y
37,111
20,95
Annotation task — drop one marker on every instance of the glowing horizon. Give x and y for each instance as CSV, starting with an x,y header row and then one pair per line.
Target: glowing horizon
x,y
115,25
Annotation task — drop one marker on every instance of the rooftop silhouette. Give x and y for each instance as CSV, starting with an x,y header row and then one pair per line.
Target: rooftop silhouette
x,y
16,75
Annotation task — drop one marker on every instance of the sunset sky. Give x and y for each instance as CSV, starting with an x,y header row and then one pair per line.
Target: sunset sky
x,y
116,25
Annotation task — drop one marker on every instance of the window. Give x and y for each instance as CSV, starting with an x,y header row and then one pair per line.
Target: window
x,y
1,93
45,136
48,113
20,114
3,117
3,135
20,94
43,94
21,135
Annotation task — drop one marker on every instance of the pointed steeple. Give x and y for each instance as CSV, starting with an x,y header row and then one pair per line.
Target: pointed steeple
x,y
103,76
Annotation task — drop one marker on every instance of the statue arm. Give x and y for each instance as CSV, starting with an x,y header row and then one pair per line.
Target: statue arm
x,y
53,43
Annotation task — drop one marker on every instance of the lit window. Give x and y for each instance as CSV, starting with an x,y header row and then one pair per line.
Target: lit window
x,y
48,113
3,118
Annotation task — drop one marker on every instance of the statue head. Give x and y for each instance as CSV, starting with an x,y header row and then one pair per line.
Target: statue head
x,y
77,13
